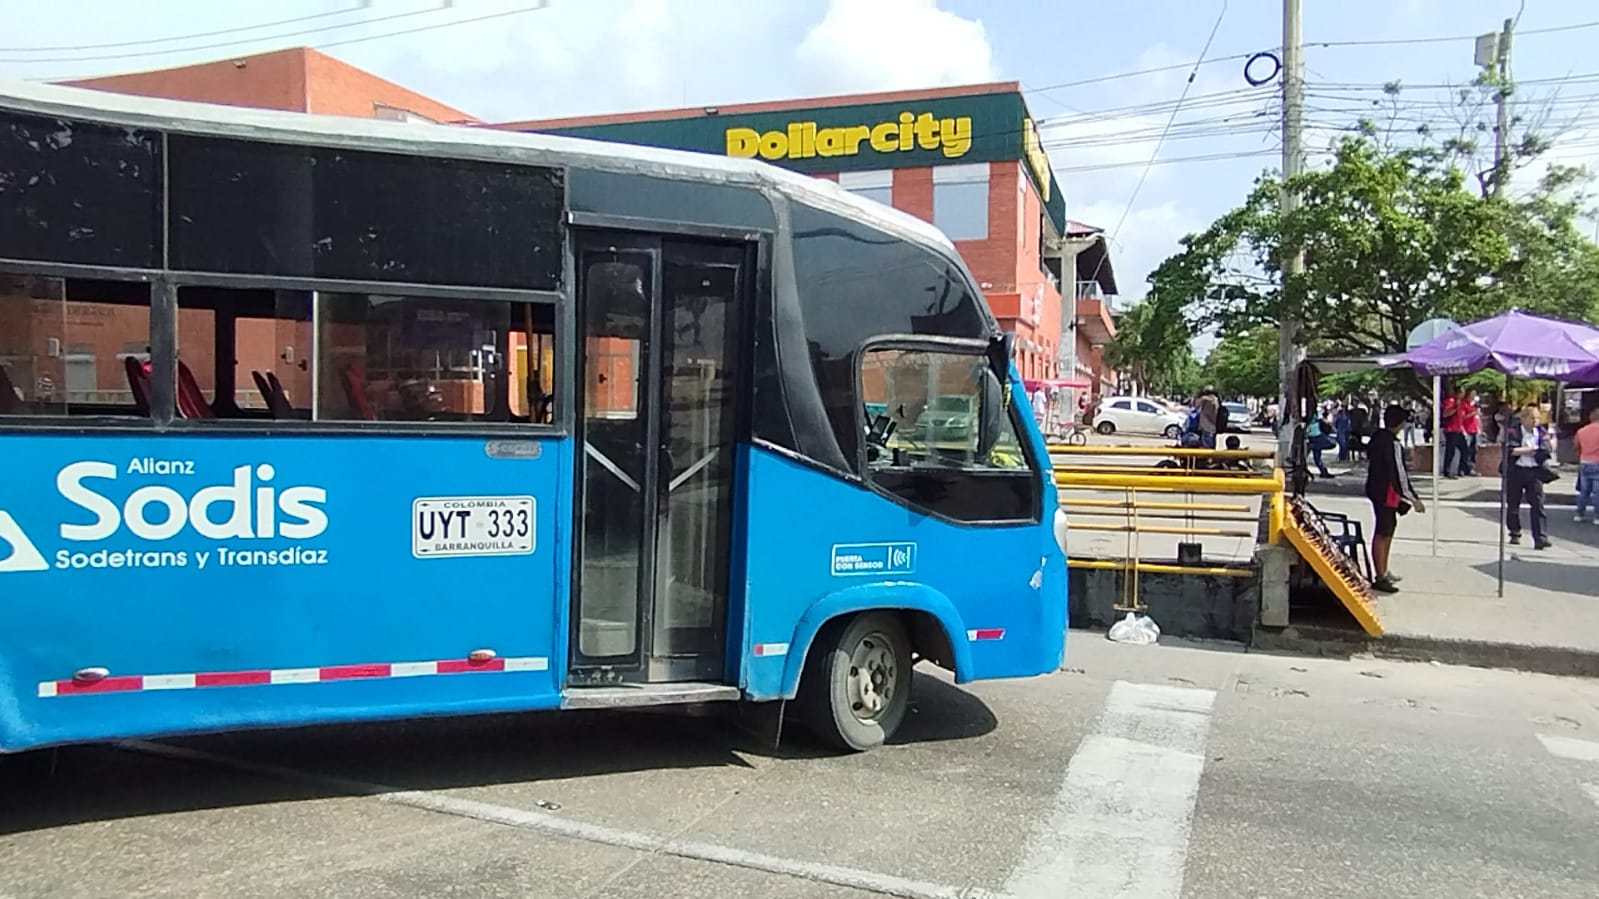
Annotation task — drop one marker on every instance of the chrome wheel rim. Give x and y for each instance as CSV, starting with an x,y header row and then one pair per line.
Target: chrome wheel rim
x,y
873,678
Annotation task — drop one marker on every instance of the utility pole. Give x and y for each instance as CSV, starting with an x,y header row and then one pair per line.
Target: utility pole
x,y
1502,104
1289,352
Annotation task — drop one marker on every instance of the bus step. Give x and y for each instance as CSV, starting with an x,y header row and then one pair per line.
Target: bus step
x,y
646,694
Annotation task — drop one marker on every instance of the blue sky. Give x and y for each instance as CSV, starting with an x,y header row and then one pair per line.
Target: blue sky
x,y
586,56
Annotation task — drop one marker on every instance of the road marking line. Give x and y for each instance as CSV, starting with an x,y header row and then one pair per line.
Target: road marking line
x,y
1571,748
541,822
1122,818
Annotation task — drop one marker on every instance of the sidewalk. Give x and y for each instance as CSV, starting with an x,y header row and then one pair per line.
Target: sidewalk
x,y
1448,608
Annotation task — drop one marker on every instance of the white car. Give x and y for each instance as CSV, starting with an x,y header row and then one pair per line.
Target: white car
x,y
1137,415
1239,419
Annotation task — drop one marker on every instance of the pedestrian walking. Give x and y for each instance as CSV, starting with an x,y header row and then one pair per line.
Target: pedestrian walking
x,y
1529,441
1318,439
1588,466
1389,489
1341,426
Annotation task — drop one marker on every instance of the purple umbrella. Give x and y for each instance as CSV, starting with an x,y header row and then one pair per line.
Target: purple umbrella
x,y
1516,343
1520,345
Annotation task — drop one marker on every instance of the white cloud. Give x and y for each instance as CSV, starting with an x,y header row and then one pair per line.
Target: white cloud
x,y
845,51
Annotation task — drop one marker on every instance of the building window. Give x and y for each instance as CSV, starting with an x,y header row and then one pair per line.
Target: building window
x,y
875,185
960,201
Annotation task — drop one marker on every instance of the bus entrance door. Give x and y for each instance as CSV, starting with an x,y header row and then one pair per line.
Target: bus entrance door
x,y
661,358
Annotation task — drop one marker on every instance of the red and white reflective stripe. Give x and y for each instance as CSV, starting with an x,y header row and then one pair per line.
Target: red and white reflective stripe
x,y
124,683
986,633
770,649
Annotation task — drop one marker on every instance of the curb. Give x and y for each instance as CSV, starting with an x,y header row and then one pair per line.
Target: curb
x,y
1563,661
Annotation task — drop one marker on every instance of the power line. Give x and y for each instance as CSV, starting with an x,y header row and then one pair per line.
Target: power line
x,y
1235,57
73,48
1154,71
533,7
1369,86
138,54
1187,85
1233,96
1170,160
301,33
1446,39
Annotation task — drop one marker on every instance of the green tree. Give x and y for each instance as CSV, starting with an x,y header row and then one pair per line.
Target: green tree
x,y
1152,345
1244,363
1394,232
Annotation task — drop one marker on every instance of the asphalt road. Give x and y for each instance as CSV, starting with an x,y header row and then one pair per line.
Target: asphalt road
x,y
1139,772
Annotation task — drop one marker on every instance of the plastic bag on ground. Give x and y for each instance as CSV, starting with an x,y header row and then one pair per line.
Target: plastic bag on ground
x,y
1139,630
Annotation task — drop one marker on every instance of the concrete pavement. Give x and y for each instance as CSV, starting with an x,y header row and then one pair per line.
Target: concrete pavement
x,y
1449,605
1154,772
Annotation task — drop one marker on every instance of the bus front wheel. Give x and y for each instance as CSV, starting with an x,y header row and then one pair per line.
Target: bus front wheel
x,y
855,689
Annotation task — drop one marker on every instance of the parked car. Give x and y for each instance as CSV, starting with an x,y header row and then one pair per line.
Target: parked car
x,y
1239,418
1137,415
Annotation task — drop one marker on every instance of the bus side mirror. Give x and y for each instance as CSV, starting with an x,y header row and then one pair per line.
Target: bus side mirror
x,y
991,411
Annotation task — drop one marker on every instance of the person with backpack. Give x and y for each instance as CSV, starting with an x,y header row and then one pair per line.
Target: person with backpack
x,y
1318,439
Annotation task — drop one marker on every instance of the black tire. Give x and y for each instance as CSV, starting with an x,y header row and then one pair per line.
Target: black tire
x,y
1106,427
1173,432
846,707
1078,438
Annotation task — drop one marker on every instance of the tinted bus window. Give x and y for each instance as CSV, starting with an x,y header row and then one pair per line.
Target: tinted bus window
x,y
856,283
244,353
406,358
74,347
275,209
81,193
640,196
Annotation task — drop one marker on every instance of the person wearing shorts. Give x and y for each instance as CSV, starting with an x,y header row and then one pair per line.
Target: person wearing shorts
x,y
1389,489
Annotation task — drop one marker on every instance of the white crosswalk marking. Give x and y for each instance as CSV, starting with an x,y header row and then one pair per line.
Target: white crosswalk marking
x,y
1571,748
1578,750
1121,820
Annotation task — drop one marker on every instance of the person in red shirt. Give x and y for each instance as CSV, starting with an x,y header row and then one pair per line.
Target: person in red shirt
x,y
1471,423
1588,466
1454,422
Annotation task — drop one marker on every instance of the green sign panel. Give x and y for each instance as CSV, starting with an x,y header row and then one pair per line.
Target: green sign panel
x,y
928,132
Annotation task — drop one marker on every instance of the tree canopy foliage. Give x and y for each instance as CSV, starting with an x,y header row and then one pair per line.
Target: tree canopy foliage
x,y
1152,345
1395,232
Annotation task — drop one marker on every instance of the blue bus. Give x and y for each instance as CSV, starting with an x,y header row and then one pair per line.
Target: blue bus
x,y
314,419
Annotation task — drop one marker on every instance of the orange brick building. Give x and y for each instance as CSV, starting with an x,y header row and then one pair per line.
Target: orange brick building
x,y
964,158
298,80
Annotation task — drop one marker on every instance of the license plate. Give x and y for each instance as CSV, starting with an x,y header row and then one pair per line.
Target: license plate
x,y
472,526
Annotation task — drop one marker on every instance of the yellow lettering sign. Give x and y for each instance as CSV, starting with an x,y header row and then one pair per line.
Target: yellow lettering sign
x,y
805,140
1037,159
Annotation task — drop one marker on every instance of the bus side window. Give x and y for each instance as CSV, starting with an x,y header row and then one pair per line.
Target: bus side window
x,y
243,353
66,345
386,357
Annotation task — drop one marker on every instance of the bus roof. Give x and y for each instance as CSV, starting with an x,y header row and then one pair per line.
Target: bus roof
x,y
185,117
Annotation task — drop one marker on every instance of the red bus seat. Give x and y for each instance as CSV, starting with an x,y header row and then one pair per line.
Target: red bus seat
x,y
191,401
138,383
9,399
